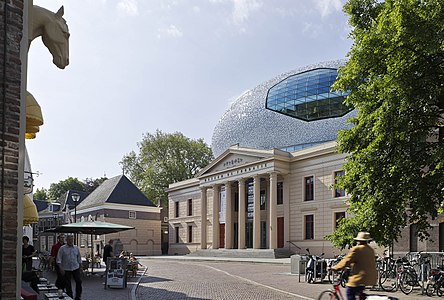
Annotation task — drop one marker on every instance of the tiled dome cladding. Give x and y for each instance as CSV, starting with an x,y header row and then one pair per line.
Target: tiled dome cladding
x,y
248,123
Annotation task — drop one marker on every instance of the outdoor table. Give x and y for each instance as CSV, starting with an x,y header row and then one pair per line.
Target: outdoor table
x,y
46,288
54,296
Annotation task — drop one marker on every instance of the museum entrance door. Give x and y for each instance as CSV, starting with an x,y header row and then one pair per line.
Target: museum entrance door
x,y
221,235
280,232
249,234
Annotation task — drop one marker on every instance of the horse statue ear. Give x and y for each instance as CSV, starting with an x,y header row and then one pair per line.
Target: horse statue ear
x,y
60,12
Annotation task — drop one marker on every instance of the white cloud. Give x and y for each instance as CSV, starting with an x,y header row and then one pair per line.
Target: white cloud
x,y
129,7
171,31
326,7
196,9
243,8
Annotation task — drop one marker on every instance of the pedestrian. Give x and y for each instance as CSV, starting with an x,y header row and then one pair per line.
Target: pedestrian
x,y
60,281
108,251
70,262
361,258
28,252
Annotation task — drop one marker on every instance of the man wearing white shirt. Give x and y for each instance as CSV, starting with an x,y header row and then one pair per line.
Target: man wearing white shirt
x,y
70,262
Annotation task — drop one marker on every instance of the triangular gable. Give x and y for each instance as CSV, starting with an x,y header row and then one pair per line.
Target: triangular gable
x,y
234,157
119,190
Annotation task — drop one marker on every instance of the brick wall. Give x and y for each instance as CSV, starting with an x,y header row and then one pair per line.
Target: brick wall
x,y
11,24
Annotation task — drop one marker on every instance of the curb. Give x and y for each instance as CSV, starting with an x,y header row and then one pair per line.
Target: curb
x,y
134,289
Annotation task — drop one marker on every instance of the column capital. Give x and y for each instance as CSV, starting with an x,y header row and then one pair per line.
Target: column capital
x,y
241,180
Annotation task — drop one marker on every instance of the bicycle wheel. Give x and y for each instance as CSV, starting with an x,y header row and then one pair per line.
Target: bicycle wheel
x,y
388,281
328,295
343,277
439,289
406,282
309,276
430,289
332,276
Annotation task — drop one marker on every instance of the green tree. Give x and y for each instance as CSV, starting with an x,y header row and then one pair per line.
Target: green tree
x,y
165,158
395,75
40,194
58,189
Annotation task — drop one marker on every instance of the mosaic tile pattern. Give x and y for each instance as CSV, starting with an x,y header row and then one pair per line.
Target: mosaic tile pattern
x,y
248,123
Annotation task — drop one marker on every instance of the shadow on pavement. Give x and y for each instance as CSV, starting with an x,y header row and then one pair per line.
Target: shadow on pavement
x,y
152,279
156,293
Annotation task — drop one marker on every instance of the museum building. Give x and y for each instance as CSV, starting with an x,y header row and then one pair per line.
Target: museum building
x,y
271,183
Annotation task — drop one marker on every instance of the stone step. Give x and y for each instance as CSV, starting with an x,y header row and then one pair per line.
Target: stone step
x,y
243,253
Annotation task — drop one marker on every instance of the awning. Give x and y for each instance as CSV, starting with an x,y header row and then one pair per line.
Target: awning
x,y
30,214
34,117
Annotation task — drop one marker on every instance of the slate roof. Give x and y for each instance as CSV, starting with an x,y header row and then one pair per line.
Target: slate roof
x,y
66,199
118,190
40,204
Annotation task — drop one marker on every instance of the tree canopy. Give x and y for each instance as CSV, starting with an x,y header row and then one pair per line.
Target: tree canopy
x,y
395,78
58,189
40,194
165,158
61,187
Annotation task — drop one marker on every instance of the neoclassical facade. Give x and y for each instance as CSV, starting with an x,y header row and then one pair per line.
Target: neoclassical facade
x,y
259,199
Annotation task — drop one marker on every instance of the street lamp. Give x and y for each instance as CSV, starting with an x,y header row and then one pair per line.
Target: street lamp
x,y
54,216
75,197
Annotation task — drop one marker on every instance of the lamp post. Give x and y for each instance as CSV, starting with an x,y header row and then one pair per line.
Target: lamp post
x,y
54,216
75,197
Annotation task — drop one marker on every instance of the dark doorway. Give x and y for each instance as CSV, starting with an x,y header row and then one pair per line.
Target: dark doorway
x,y
249,234
263,235
413,247
236,236
221,235
280,232
441,236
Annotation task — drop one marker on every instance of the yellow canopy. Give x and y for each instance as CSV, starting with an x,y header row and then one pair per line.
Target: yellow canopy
x,y
30,214
34,117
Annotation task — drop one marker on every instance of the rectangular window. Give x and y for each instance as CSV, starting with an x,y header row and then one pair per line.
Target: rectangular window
x,y
308,188
132,214
309,227
190,207
338,217
190,233
339,192
280,193
177,234
236,201
176,209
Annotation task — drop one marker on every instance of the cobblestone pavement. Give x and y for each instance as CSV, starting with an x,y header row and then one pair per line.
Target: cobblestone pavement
x,y
192,279
186,278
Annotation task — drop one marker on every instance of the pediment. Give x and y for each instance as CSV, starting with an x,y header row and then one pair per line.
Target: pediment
x,y
233,159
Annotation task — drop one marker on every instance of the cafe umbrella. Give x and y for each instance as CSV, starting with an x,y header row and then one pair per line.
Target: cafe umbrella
x,y
92,228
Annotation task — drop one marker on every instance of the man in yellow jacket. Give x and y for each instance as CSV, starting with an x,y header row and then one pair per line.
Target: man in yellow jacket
x,y
361,259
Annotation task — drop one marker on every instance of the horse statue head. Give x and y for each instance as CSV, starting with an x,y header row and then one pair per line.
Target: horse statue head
x,y
54,31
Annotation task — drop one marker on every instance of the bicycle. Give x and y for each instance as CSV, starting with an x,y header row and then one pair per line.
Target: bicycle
x,y
336,294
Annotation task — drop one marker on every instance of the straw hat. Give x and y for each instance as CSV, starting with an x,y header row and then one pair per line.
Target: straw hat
x,y
363,236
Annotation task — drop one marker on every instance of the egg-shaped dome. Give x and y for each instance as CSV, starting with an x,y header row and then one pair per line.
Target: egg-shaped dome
x,y
248,123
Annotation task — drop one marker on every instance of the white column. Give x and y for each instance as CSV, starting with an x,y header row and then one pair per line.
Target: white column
x,y
228,217
257,213
272,212
241,214
216,208
203,216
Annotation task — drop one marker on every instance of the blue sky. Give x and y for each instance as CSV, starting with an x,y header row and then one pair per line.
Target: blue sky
x,y
138,66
